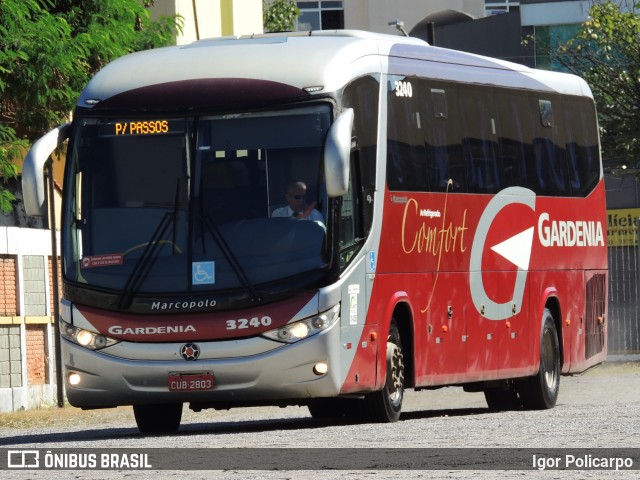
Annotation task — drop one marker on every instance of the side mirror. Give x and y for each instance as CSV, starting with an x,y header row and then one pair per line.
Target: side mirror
x,y
33,187
337,151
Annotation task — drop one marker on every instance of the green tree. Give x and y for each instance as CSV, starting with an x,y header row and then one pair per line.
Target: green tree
x,y
10,149
606,53
280,15
49,49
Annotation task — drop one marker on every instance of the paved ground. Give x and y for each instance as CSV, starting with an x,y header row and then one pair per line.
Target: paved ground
x,y
600,409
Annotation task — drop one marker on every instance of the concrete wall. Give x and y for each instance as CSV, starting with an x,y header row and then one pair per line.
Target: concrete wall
x,y
27,377
212,18
217,18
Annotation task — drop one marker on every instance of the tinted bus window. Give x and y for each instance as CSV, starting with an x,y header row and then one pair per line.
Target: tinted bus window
x,y
583,155
479,140
356,213
514,139
362,96
549,160
406,156
443,140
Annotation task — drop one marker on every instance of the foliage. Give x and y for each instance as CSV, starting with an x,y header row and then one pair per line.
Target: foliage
x,y
48,51
51,49
10,148
606,53
280,15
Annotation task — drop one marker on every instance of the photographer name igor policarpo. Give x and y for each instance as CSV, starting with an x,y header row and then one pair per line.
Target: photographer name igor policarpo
x,y
582,462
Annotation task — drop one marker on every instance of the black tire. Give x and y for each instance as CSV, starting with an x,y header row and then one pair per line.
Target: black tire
x,y
385,405
540,392
502,398
163,418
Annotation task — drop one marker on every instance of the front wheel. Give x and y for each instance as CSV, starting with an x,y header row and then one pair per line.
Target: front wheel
x,y
386,404
540,392
161,418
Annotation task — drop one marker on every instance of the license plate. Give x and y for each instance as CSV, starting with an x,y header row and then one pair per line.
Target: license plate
x,y
191,382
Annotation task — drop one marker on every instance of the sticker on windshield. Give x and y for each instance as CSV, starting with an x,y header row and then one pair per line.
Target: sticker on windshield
x,y
203,273
102,260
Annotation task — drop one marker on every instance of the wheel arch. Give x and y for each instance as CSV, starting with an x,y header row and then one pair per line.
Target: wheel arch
x,y
552,303
403,315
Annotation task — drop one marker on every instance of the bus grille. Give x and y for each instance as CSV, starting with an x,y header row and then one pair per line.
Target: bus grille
x,y
596,296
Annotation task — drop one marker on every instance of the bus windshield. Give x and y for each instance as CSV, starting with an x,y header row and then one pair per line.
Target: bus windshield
x,y
193,204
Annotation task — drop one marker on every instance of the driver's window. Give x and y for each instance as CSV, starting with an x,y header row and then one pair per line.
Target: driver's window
x,y
349,226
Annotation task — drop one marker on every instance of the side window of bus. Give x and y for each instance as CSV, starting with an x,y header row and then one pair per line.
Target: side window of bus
x,y
406,155
350,227
514,139
363,96
583,155
444,155
356,212
479,140
549,159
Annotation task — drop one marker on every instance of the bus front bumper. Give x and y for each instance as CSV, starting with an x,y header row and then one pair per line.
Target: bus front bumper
x,y
286,374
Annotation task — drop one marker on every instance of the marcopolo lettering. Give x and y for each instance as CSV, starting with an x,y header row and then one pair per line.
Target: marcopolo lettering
x,y
183,305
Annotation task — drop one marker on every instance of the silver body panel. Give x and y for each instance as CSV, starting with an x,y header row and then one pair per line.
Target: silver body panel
x,y
284,373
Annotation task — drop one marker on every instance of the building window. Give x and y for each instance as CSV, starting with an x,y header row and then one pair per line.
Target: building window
x,y
549,38
320,16
496,7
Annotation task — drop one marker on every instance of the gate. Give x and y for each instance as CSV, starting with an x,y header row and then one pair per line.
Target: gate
x,y
624,293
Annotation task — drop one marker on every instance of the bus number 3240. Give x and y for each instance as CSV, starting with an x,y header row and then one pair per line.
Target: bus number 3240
x,y
403,89
244,323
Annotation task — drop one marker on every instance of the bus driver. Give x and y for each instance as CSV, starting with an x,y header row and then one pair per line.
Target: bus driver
x,y
297,206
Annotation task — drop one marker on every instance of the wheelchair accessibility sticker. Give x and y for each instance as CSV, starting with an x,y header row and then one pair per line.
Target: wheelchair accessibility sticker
x,y
203,273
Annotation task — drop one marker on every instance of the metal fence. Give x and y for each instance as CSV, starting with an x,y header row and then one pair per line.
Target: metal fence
x,y
624,293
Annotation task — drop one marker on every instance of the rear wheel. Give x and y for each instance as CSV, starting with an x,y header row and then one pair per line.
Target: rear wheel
x,y
540,392
162,418
386,404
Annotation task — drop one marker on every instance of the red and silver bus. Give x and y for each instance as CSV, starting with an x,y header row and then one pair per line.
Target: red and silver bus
x,y
457,234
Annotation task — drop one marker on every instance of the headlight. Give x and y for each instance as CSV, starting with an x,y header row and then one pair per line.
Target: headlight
x,y
85,338
296,331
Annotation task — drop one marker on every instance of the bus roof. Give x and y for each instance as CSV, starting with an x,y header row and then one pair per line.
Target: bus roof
x,y
318,61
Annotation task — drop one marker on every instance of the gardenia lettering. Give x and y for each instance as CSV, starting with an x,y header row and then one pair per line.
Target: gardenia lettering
x,y
120,330
567,233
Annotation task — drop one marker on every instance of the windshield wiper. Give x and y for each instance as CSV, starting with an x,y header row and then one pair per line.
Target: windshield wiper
x,y
145,261
141,269
231,258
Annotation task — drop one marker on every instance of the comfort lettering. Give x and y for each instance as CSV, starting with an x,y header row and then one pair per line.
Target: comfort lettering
x,y
448,237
